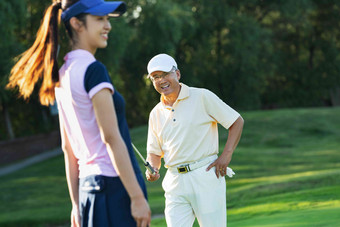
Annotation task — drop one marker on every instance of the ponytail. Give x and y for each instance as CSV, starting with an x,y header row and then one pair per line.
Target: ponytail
x,y
40,61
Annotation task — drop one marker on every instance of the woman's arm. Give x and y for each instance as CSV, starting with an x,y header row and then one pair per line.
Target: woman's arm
x,y
72,176
108,126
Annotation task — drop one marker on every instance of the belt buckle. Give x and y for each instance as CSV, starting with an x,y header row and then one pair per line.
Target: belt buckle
x,y
183,169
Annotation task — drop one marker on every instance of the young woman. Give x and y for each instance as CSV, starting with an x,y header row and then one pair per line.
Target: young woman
x,y
105,183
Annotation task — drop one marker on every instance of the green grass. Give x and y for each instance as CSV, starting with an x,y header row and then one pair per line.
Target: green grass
x,y
287,174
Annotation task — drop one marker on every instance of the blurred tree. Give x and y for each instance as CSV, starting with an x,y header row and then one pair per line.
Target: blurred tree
x,y
252,54
159,27
10,24
227,53
305,38
19,22
148,28
324,52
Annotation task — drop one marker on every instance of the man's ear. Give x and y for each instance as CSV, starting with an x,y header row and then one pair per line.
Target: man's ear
x,y
178,73
76,24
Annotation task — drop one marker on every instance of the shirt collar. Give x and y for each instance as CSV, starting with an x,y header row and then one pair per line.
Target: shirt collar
x,y
183,94
79,53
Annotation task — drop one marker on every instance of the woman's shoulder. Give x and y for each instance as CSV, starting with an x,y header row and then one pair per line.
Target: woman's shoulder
x,y
96,66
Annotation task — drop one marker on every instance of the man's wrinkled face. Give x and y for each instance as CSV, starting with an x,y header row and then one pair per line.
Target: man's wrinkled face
x,y
166,83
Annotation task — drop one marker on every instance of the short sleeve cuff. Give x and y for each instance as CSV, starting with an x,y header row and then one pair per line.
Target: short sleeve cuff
x,y
99,87
232,118
159,153
152,148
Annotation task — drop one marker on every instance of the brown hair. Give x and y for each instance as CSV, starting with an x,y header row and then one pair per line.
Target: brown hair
x,y
39,62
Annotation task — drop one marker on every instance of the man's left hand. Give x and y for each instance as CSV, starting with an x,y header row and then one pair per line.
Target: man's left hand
x,y
221,165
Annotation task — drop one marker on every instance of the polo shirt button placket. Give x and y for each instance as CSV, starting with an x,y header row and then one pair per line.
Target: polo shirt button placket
x,y
174,119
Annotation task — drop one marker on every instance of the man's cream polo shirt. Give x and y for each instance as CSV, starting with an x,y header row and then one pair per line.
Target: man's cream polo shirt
x,y
187,131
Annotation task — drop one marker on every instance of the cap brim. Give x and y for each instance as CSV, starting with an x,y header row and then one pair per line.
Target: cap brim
x,y
160,68
113,9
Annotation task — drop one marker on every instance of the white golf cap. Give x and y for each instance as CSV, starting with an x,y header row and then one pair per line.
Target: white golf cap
x,y
161,62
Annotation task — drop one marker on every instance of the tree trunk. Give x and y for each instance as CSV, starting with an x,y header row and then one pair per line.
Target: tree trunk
x,y
311,56
220,74
8,123
335,96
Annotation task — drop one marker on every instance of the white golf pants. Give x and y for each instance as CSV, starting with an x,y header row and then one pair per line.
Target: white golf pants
x,y
196,193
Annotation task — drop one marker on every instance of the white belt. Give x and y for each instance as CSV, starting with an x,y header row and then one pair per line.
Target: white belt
x,y
184,168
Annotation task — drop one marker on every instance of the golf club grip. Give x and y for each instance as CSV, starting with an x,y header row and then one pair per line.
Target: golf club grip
x,y
149,168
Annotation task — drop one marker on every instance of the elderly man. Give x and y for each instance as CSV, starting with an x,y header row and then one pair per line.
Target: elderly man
x,y
183,130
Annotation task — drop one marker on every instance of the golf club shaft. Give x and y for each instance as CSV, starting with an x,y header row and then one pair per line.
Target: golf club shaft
x,y
146,164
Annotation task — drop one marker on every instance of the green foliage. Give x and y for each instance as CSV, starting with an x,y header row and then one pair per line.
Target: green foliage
x,y
157,29
253,54
19,21
10,23
307,63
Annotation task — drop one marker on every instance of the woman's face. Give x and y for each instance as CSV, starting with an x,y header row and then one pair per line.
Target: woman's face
x,y
94,34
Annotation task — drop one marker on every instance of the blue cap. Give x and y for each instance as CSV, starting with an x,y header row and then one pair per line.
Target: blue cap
x,y
94,7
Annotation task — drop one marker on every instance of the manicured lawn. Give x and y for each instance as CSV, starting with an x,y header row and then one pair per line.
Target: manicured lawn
x,y
287,174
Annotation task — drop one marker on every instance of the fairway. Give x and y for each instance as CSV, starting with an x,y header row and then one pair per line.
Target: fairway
x,y
287,174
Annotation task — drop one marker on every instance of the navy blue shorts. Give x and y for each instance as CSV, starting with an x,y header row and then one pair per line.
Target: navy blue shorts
x,y
103,201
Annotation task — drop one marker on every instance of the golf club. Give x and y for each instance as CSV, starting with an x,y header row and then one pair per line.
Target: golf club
x,y
146,164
